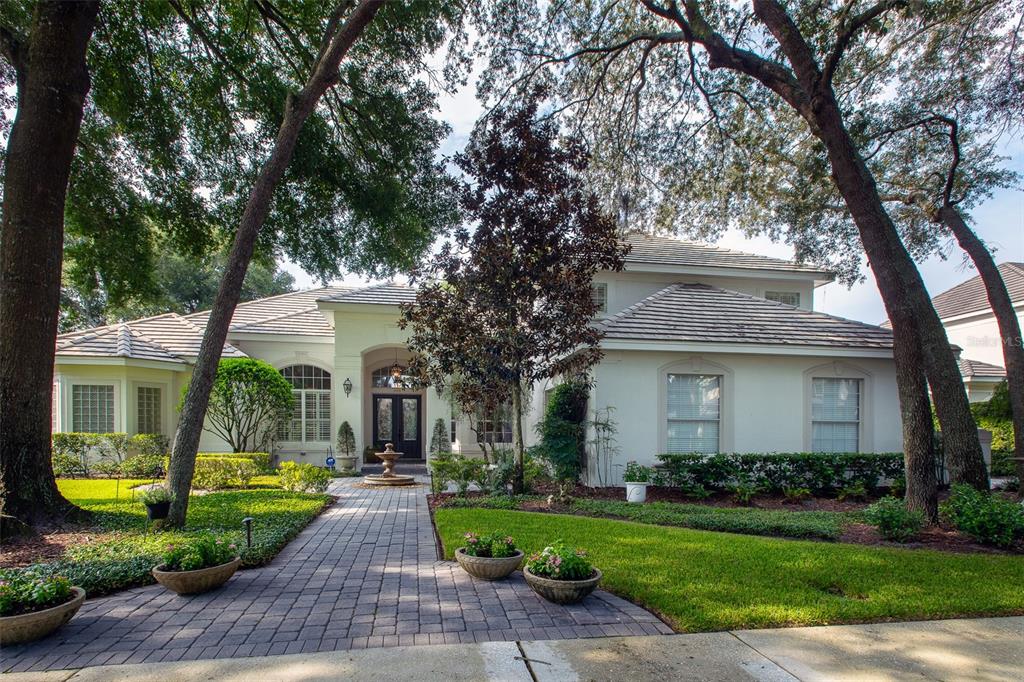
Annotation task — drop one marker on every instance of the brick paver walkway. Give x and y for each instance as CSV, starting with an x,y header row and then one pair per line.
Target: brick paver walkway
x,y
363,574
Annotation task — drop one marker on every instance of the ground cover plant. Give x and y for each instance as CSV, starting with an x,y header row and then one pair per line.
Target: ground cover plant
x,y
26,592
121,552
703,581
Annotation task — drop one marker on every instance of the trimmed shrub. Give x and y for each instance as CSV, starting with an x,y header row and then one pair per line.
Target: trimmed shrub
x,y
774,472
893,520
261,460
460,470
562,431
67,466
150,444
989,519
144,466
304,478
217,473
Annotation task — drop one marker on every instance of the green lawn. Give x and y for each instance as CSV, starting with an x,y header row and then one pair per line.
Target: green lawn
x,y
702,581
127,551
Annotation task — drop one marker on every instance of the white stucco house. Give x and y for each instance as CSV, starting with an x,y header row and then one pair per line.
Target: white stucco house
x,y
971,325
706,349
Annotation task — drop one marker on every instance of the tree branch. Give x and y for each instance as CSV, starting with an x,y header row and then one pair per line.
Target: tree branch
x,y
849,31
12,47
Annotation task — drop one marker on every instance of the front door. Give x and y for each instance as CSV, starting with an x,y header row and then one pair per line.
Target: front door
x,y
396,419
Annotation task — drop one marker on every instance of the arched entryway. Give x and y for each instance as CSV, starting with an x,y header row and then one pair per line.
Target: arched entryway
x,y
394,412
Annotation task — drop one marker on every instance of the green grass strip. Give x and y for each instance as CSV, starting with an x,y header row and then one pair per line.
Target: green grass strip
x,y
703,581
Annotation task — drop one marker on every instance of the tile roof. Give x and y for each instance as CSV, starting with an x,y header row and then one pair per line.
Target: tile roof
x,y
969,297
390,293
174,338
976,368
706,314
657,250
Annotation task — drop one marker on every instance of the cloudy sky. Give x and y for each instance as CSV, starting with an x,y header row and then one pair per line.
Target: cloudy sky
x,y
1000,222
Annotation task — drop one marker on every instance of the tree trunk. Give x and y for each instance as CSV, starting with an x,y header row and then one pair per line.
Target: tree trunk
x,y
1006,317
899,282
53,80
297,110
519,483
916,414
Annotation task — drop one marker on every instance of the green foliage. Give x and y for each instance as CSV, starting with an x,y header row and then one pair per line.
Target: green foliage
x,y
744,489
156,495
67,466
106,469
217,473
560,562
304,477
796,494
440,439
107,454
74,447
199,551
262,460
773,472
700,581
493,501
636,473
248,400
893,519
820,525
495,545
986,517
997,407
853,491
562,430
460,470
346,440
124,551
27,592
502,473
995,415
150,444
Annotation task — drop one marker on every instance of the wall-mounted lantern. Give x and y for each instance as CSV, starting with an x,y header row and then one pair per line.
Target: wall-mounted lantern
x,y
347,385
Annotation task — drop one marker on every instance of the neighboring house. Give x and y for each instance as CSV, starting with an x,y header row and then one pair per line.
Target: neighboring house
x,y
971,325
706,349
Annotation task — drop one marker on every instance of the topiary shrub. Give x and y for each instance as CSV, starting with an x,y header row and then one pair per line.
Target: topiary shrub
x,y
214,473
894,521
441,439
989,519
144,466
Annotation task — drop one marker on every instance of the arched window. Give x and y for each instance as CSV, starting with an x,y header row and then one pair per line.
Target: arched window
x,y
311,409
383,378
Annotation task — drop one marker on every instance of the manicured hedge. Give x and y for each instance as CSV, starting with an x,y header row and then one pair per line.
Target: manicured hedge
x,y
217,473
775,472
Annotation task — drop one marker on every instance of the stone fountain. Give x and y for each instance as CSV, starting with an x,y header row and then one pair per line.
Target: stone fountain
x,y
389,477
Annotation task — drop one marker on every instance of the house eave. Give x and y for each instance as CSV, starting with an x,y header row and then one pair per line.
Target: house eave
x,y
746,348
819,277
173,365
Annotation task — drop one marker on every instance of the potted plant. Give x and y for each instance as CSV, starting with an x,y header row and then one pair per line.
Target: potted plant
x,y
158,502
33,606
561,574
197,564
637,477
346,447
490,557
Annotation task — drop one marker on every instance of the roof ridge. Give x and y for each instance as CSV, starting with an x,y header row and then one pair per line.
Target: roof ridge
x,y
798,309
274,318
156,344
792,262
642,303
124,340
265,298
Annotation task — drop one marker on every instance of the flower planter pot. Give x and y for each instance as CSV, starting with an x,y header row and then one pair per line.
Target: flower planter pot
x,y
27,627
562,591
636,492
347,463
488,568
198,581
158,510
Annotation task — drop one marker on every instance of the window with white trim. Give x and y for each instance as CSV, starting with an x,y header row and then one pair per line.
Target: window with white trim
x,y
599,295
496,430
788,297
311,408
694,413
149,403
835,414
92,408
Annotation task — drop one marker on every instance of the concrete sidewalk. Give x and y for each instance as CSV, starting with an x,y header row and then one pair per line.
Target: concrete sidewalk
x,y
969,649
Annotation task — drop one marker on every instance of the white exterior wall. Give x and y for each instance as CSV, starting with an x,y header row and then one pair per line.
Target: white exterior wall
x,y
979,337
125,378
765,401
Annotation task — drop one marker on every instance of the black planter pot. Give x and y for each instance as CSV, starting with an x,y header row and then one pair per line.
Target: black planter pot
x,y
158,510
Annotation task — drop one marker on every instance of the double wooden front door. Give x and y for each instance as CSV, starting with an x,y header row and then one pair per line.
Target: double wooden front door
x,y
396,419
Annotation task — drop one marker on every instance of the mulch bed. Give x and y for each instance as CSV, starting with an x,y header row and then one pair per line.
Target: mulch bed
x,y
941,538
49,545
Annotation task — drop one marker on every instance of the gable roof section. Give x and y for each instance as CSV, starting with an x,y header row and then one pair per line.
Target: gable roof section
x,y
705,314
657,250
976,368
390,293
970,297
176,338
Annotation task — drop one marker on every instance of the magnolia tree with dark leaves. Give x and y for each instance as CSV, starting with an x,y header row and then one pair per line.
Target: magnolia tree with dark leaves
x,y
508,303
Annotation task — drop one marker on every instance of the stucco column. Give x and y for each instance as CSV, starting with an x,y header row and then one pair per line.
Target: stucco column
x,y
349,408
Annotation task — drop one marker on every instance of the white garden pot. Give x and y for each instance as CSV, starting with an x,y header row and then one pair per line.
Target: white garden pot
x,y
636,492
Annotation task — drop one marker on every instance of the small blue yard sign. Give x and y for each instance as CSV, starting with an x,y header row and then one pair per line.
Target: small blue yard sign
x,y
330,461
